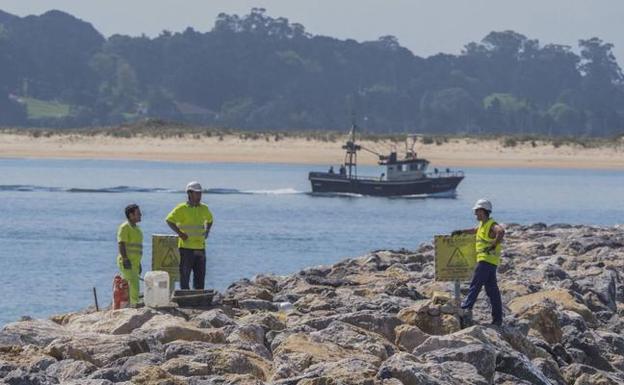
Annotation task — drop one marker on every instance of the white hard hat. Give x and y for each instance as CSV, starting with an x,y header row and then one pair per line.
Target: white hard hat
x,y
194,186
483,204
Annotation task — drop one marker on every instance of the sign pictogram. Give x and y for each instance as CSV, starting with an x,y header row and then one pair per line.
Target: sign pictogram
x,y
455,257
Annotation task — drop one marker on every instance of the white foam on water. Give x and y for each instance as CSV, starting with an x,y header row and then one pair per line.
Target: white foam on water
x,y
282,191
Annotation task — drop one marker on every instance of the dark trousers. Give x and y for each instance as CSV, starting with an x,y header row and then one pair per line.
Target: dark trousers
x,y
485,275
195,261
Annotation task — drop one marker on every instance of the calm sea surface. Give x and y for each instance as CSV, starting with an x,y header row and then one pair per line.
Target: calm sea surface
x,y
58,219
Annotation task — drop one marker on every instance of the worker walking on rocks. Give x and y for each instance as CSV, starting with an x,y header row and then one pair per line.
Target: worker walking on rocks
x,y
130,243
489,236
192,221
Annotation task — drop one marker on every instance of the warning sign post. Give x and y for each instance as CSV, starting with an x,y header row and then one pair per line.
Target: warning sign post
x,y
166,256
455,257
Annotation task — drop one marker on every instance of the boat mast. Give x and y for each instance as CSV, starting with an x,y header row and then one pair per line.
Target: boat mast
x,y
351,155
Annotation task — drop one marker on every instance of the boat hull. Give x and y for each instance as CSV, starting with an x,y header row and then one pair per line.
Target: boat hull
x,y
334,183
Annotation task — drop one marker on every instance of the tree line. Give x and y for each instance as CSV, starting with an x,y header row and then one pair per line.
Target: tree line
x,y
256,72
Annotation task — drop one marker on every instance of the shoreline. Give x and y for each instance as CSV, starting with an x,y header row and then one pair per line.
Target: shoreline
x,y
456,153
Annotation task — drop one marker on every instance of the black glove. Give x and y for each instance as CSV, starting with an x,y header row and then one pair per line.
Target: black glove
x,y
126,263
489,249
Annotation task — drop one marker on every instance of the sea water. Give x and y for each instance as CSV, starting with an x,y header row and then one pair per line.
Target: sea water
x,y
58,219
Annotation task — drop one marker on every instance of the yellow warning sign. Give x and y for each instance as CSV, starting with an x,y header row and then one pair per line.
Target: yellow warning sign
x,y
165,255
455,257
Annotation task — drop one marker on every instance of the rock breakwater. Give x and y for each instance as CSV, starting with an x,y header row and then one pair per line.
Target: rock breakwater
x,y
380,319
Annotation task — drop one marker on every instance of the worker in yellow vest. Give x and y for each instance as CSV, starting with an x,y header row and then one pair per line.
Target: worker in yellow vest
x,y
130,243
489,236
192,221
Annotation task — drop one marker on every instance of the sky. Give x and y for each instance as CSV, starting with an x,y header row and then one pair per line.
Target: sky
x,y
426,27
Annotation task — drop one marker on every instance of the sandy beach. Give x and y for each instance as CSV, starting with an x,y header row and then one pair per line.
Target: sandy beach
x,y
455,153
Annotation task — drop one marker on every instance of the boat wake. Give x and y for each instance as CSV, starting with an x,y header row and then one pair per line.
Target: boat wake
x,y
334,195
231,191
130,189
441,195
210,191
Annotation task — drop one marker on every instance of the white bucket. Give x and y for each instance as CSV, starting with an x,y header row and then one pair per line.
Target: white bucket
x,y
156,289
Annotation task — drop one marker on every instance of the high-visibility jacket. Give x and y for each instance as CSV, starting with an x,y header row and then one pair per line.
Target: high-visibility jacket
x,y
132,237
483,241
191,220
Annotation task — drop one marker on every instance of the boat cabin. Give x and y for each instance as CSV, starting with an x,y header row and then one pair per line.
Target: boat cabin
x,y
408,168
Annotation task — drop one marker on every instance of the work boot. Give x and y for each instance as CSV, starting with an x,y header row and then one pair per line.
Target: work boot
x,y
498,323
466,318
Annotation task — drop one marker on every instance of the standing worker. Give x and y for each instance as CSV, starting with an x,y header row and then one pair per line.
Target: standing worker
x,y
192,221
130,242
489,236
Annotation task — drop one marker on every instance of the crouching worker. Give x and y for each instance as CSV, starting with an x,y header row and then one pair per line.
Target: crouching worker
x,y
489,236
130,241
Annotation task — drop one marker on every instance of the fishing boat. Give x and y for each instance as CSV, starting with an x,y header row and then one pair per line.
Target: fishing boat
x,y
407,176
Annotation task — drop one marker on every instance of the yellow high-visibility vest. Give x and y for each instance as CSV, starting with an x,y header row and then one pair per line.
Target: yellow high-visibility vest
x,y
132,237
193,221
483,241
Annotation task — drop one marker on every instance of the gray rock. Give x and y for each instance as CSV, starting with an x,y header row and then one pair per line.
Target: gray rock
x,y
100,350
409,371
67,370
409,337
187,348
481,356
375,322
23,377
519,366
38,332
587,348
406,369
247,334
42,364
135,321
5,368
269,321
215,318
131,366
508,379
550,369
257,305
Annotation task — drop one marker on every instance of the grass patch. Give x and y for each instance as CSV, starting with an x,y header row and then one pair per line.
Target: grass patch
x,y
42,109
510,142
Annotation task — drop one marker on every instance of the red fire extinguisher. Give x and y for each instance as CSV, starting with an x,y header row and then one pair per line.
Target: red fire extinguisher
x,y
120,293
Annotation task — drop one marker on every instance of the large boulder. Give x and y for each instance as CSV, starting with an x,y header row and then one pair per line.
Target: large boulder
x,y
349,371
70,370
579,374
31,332
122,321
219,361
544,320
215,318
410,371
481,356
165,328
562,298
296,352
408,337
429,318
97,349
372,321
